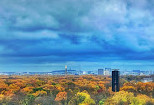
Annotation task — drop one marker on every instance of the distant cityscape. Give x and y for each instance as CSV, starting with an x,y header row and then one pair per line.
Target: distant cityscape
x,y
101,71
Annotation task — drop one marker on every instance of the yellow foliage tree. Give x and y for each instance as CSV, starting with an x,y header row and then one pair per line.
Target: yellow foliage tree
x,y
82,98
128,98
39,93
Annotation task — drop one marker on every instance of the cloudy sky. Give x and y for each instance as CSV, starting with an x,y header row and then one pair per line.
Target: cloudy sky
x,y
38,35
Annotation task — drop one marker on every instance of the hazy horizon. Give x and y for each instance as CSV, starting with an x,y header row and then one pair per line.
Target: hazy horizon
x,y
83,66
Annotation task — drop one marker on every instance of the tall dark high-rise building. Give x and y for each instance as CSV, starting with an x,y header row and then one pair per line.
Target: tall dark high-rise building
x,y
115,80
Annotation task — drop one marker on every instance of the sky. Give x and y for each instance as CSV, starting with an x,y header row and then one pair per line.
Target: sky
x,y
45,35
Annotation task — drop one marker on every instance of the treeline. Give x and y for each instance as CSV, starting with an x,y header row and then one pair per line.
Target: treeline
x,y
72,90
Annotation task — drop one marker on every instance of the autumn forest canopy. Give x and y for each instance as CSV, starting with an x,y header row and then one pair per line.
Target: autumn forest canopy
x,y
74,90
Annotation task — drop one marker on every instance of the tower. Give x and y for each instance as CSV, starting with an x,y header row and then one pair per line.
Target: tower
x,y
115,80
65,69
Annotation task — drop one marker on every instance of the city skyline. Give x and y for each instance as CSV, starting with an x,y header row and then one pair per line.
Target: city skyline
x,y
88,34
84,66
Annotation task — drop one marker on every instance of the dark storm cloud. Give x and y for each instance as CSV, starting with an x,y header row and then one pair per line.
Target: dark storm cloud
x,y
76,30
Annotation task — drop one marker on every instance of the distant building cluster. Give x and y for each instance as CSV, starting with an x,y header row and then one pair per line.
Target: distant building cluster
x,y
106,71
147,80
101,71
68,72
56,72
137,72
